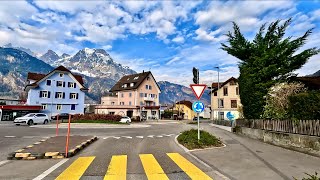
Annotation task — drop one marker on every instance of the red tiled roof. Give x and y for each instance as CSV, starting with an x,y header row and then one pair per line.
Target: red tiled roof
x,y
37,77
187,103
215,84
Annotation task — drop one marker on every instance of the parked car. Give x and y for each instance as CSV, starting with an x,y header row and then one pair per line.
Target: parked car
x,y
62,116
32,118
196,118
125,119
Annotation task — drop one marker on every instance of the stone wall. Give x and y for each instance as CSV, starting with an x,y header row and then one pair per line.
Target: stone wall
x,y
297,142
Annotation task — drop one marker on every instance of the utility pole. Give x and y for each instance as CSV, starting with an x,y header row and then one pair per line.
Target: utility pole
x,y
217,67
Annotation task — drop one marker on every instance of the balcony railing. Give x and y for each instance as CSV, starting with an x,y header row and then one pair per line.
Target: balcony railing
x,y
149,99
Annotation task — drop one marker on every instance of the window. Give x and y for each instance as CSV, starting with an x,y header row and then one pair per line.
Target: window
x,y
59,107
61,74
48,82
221,104
237,90
145,95
125,85
60,84
73,107
233,103
44,94
129,103
215,93
122,103
44,106
122,95
225,91
233,83
150,87
71,85
148,78
147,86
221,116
130,94
131,84
60,95
141,103
112,113
73,96
141,94
153,113
112,103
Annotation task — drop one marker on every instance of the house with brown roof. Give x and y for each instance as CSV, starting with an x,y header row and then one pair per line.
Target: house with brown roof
x,y
185,108
225,99
135,95
59,91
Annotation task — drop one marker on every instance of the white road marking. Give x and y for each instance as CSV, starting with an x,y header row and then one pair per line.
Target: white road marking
x,y
50,170
150,136
116,137
139,137
159,136
30,137
3,162
128,137
106,137
10,136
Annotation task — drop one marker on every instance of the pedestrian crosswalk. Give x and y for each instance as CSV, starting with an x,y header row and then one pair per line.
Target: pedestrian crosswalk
x,y
117,169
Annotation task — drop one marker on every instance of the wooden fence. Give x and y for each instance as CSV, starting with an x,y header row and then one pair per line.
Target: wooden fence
x,y
305,127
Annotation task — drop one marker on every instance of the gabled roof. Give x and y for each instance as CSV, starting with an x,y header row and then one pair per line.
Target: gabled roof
x,y
38,77
221,84
137,79
187,103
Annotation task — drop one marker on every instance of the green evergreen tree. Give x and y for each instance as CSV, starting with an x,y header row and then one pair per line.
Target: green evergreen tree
x,y
270,58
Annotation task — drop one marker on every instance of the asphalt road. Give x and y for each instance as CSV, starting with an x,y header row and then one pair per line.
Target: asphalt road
x,y
150,152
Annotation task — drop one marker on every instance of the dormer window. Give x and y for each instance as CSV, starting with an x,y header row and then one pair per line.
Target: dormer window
x,y
131,84
125,85
128,79
61,75
135,78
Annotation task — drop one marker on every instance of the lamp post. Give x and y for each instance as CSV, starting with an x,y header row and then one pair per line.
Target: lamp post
x,y
217,67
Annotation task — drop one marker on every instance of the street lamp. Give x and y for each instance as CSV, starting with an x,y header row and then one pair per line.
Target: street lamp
x,y
217,67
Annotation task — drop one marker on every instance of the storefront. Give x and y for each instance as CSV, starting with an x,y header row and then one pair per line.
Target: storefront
x,y
10,112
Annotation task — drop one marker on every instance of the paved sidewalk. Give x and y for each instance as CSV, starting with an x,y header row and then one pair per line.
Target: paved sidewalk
x,y
245,158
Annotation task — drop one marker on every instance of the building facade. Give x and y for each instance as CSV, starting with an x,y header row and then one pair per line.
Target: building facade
x,y
59,91
225,100
134,95
185,108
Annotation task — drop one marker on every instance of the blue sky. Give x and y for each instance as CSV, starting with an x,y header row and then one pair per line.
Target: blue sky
x,y
167,37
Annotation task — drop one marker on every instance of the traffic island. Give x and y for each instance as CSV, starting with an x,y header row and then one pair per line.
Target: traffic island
x,y
52,148
189,139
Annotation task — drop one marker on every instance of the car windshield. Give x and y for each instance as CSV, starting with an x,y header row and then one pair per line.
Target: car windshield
x,y
29,115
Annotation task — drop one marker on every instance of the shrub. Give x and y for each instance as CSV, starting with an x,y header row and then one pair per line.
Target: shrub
x,y
93,117
189,139
305,105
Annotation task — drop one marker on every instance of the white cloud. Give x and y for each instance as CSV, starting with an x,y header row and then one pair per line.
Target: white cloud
x,y
173,60
178,39
71,6
107,47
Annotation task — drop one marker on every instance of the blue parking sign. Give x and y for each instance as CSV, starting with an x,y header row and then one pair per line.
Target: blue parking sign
x,y
198,107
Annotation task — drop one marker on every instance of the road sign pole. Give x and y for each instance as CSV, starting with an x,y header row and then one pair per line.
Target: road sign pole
x,y
198,127
68,136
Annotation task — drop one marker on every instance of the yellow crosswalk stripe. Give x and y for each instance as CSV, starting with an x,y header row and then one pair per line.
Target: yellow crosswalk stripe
x,y
76,169
191,170
117,169
152,168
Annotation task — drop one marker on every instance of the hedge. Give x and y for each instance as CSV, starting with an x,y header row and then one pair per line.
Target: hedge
x,y
88,117
305,106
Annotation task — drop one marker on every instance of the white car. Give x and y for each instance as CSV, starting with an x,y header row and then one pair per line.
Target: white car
x,y
125,119
32,118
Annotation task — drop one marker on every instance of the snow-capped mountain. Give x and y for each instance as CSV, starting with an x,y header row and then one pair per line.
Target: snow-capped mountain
x,y
50,57
31,53
64,55
94,63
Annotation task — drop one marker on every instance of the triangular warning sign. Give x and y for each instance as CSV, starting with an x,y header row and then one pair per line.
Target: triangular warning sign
x,y
198,89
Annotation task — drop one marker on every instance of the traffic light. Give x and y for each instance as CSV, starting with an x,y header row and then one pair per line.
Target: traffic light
x,y
195,72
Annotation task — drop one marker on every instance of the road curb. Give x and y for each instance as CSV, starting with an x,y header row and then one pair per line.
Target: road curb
x,y
19,155
199,160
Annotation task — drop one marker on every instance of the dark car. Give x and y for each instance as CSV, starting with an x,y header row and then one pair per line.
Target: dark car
x,y
196,118
62,116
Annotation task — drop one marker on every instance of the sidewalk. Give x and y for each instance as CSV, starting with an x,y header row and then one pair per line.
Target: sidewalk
x,y
245,158
91,125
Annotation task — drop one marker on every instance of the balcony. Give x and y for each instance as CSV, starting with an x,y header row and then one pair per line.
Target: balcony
x,y
149,99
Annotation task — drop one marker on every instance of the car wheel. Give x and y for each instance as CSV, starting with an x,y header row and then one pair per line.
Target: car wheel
x,y
45,121
17,124
128,122
30,122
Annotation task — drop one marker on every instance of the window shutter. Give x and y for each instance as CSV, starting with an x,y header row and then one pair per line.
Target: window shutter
x,y
75,85
64,84
40,94
77,95
57,83
49,94
70,96
56,95
69,84
63,95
